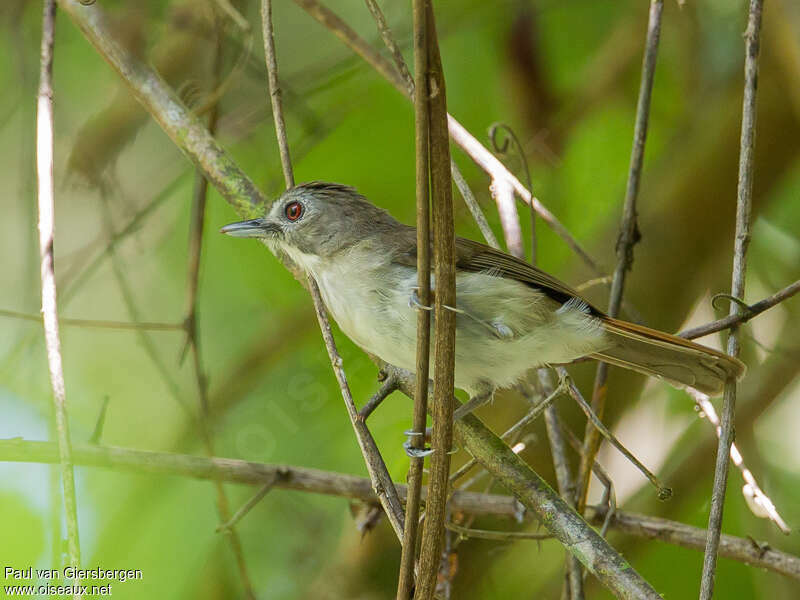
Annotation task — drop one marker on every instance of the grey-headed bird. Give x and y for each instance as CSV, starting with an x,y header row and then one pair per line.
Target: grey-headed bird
x,y
511,316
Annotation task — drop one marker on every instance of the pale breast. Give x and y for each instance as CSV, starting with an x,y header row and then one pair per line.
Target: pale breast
x,y
503,327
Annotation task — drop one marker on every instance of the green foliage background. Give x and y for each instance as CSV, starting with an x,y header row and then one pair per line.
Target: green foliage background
x,y
565,76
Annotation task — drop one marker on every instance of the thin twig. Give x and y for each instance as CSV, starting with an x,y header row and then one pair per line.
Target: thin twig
x,y
628,237
231,470
315,481
405,579
387,388
375,465
391,45
248,506
501,146
609,496
497,536
534,413
745,550
275,92
444,319
752,310
46,201
503,194
566,485
379,474
744,194
663,492
473,206
97,324
760,504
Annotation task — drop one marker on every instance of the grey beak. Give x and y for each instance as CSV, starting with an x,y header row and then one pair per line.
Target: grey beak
x,y
255,228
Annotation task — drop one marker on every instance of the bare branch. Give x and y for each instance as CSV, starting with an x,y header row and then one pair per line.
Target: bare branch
x,y
97,324
444,319
746,550
497,536
275,92
566,485
751,311
741,241
381,480
231,470
46,200
422,119
248,506
757,554
760,504
535,494
663,492
628,236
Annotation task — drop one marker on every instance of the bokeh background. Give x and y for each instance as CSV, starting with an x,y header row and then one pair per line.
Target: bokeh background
x,y
565,77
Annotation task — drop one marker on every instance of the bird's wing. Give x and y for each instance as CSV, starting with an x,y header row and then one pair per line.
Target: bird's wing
x,y
476,257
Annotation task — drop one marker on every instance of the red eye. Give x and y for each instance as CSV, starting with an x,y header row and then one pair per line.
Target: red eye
x,y
294,210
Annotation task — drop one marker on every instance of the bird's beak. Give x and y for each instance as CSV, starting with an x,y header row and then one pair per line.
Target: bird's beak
x,y
255,228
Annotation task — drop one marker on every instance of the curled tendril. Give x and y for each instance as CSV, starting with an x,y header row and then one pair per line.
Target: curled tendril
x,y
742,304
501,146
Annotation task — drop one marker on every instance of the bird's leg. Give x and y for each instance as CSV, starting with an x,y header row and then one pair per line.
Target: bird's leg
x,y
416,452
414,302
476,401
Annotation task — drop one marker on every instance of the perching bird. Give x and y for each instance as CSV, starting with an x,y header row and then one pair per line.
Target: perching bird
x,y
511,316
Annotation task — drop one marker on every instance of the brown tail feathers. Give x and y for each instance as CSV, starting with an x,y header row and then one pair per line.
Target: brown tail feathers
x,y
676,360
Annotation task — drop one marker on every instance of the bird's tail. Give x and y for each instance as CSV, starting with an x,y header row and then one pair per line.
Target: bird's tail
x,y
676,360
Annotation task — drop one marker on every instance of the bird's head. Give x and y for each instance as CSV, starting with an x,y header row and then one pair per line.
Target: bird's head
x,y
315,219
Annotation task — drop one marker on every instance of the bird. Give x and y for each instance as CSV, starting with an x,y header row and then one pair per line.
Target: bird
x,y
511,317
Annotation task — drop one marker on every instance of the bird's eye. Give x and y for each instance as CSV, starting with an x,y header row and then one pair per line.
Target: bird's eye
x,y
294,210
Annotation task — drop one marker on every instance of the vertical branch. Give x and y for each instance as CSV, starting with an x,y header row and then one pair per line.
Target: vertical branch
x,y
628,236
196,226
405,582
378,473
44,172
566,487
744,194
444,319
